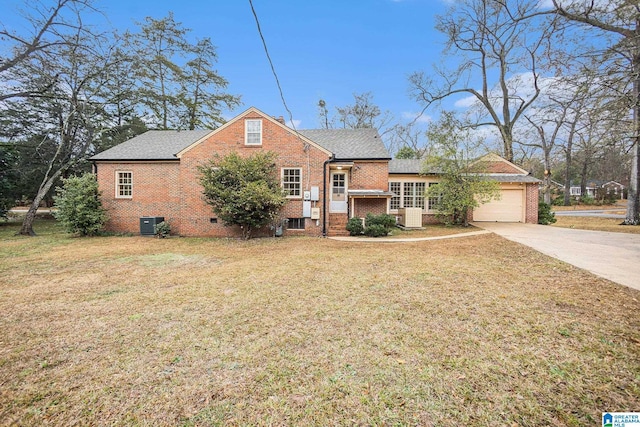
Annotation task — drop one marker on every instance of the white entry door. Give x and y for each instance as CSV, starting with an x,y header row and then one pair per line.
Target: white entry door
x,y
338,184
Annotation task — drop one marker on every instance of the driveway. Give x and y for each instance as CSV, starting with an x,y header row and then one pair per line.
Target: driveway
x,y
614,256
599,213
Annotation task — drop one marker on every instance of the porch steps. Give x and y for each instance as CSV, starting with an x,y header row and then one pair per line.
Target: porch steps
x,y
337,224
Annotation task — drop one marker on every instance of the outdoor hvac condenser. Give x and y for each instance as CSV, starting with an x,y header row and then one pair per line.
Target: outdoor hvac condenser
x,y
148,224
410,217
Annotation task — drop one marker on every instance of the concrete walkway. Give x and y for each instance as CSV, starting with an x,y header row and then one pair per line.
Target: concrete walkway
x,y
409,239
614,256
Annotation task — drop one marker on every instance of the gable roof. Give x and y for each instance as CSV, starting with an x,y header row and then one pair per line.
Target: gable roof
x,y
498,169
344,144
349,144
254,110
153,145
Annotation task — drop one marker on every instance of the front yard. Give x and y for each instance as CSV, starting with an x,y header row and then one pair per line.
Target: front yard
x,y
302,331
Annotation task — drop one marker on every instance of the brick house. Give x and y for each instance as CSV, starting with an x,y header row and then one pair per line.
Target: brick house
x,y
329,174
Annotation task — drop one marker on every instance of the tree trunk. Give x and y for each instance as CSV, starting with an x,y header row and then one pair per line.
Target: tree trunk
x,y
633,198
583,179
567,178
27,223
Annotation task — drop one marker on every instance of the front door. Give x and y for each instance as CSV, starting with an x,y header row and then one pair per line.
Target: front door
x,y
338,203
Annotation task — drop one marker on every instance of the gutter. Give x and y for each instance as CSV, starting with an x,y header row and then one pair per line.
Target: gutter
x,y
324,194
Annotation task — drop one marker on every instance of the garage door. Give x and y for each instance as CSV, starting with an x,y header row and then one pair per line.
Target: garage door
x,y
508,209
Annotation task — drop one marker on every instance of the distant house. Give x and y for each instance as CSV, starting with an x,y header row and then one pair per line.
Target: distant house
x,y
330,175
594,188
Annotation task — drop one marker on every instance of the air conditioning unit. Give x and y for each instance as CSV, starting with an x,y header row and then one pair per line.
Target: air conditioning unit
x,y
410,217
148,224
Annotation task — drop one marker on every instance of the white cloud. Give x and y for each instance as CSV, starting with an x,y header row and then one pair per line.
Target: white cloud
x,y
295,123
417,117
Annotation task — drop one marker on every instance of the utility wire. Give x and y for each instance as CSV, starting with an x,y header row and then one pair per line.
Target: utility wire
x,y
273,70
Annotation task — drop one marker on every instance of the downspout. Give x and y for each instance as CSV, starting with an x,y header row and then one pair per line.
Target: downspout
x,y
95,168
324,194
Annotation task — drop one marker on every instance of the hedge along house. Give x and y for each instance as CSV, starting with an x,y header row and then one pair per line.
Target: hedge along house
x,y
518,191
329,175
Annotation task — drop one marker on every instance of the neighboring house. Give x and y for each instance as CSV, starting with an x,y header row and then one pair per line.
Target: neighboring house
x,y
330,175
594,188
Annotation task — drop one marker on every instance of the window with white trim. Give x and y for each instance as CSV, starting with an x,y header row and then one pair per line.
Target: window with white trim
x,y
413,195
253,132
394,187
292,182
433,200
124,184
407,195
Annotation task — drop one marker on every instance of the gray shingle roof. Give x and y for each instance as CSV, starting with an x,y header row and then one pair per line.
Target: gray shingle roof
x,y
153,145
408,166
349,144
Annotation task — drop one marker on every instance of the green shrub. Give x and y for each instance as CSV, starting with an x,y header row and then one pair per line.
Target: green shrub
x,y
587,200
387,221
79,209
163,229
376,230
545,215
378,225
354,226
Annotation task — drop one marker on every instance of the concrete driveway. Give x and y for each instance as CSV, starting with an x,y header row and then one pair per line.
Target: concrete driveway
x,y
614,256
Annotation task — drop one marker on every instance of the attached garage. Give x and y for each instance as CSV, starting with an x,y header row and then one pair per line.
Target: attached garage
x,y
510,208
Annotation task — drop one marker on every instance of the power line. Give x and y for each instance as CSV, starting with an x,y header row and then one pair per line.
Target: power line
x,y
273,70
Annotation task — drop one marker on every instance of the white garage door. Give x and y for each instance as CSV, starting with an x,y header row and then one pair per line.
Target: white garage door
x,y
508,209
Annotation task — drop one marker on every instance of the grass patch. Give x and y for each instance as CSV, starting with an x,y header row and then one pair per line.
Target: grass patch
x,y
594,223
302,331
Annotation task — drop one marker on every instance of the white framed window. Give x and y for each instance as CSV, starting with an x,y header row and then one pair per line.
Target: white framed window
x,y
124,184
292,182
433,200
394,187
407,195
413,195
253,132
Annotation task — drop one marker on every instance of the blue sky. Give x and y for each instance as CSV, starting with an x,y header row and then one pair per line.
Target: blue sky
x,y
326,49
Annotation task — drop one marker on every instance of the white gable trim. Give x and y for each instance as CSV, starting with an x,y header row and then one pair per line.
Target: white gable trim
x,y
264,117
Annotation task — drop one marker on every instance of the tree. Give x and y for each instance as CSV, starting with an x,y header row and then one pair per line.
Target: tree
x,y
363,113
243,191
51,27
178,84
71,115
462,185
200,89
406,152
78,204
8,172
620,18
490,39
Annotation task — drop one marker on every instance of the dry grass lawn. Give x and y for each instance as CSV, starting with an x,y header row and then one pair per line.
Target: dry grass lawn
x,y
594,223
299,331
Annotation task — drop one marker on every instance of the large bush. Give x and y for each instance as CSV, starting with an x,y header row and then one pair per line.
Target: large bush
x,y
545,215
243,191
354,226
378,225
78,206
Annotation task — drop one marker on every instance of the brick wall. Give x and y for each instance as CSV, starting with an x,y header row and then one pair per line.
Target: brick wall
x,y
532,203
373,206
369,175
155,193
196,214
